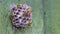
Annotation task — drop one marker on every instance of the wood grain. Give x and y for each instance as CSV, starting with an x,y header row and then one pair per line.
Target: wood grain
x,y
5,23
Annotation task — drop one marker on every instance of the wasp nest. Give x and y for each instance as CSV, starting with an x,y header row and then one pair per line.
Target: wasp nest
x,y
21,15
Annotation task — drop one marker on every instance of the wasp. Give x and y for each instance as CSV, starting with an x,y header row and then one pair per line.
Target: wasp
x,y
21,16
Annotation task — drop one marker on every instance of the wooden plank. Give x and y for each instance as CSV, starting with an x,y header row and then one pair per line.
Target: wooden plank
x,y
5,23
53,17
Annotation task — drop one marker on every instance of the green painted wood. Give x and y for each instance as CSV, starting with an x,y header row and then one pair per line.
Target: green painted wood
x,y
53,17
5,23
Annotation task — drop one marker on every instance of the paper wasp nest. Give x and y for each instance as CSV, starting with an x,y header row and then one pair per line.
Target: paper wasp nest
x,y
21,15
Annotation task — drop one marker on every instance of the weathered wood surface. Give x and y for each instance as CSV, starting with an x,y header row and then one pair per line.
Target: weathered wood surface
x,y
5,23
53,17
50,21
